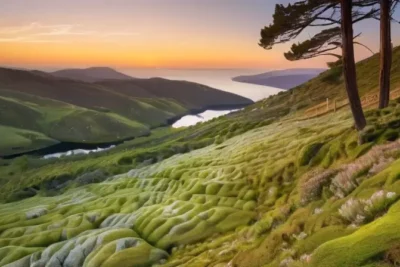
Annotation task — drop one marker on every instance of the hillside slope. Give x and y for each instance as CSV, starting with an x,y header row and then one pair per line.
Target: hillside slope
x,y
284,79
260,187
253,200
74,111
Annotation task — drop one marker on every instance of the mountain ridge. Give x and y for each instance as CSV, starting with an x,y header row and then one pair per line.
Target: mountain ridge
x,y
92,74
284,79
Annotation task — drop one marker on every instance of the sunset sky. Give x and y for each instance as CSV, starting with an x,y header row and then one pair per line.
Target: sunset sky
x,y
148,33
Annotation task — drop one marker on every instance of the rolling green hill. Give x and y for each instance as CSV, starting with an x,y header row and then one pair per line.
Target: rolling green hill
x,y
261,187
74,111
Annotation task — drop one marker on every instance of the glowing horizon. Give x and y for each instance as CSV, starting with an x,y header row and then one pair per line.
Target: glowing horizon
x,y
146,34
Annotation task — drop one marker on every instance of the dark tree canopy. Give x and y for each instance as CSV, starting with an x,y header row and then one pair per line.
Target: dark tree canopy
x,y
291,20
322,44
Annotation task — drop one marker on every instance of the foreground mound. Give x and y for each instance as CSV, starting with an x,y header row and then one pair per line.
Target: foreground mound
x,y
275,196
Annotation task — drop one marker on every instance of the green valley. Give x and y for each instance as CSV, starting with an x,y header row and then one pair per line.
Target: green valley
x,y
65,110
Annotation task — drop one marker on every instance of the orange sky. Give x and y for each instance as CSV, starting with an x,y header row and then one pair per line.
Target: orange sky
x,y
144,33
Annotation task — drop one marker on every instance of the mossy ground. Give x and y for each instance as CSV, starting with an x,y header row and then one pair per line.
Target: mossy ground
x,y
238,201
255,188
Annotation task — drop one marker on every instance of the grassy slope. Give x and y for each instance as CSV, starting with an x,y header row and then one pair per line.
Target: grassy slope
x,y
327,85
16,140
254,197
62,122
69,123
74,111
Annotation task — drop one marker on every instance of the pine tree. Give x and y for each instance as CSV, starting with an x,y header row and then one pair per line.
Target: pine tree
x,y
291,20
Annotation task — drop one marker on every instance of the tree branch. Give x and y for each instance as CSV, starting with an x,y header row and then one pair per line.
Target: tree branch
x,y
366,47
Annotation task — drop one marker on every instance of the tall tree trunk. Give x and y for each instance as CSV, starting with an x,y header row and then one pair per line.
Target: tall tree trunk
x,y
349,65
386,54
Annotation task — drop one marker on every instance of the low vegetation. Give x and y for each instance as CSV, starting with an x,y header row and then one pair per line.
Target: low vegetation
x,y
260,187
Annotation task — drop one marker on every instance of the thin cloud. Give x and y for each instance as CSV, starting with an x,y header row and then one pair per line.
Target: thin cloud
x,y
120,34
19,29
10,40
33,33
27,40
43,41
65,30
34,26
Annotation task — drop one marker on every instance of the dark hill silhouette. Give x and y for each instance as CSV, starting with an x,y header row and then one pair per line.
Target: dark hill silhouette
x,y
284,79
115,94
93,74
192,95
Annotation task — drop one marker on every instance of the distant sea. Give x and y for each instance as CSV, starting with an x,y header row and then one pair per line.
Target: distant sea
x,y
218,78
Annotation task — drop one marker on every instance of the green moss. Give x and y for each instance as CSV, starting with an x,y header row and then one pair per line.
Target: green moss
x,y
124,252
364,244
308,153
323,235
238,202
11,254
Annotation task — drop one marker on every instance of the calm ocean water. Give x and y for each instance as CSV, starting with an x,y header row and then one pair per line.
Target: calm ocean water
x,y
219,79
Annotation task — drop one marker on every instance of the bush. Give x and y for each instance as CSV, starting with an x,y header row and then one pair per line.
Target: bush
x,y
334,74
353,211
349,176
308,153
391,135
125,161
311,188
91,177
263,226
218,140
394,124
378,203
358,211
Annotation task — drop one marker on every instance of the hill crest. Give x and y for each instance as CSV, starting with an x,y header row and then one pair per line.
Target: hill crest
x,y
284,79
92,74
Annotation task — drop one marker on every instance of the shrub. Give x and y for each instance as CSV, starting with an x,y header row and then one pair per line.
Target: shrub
x,y
218,140
349,176
353,211
286,262
334,74
390,135
379,202
380,165
311,188
96,176
308,153
263,226
358,211
125,161
345,181
394,124
392,255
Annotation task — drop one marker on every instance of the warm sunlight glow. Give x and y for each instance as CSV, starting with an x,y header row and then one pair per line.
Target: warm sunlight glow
x,y
177,34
